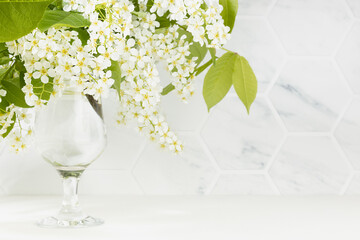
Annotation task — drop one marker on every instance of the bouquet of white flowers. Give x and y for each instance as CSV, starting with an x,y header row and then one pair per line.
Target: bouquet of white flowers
x,y
95,45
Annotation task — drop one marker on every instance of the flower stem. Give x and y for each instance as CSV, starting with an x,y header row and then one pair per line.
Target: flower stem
x,y
226,49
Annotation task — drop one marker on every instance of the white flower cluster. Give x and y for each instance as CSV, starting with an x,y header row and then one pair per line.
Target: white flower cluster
x,y
57,58
130,36
53,60
16,119
130,39
206,25
20,136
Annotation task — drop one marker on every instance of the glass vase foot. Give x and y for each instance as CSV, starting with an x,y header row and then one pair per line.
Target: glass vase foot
x,y
54,222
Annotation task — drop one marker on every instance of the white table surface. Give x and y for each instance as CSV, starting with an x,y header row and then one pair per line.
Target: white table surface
x,y
175,218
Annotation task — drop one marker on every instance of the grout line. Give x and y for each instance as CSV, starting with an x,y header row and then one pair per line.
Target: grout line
x,y
344,37
213,162
135,162
272,162
140,151
208,152
346,185
211,186
275,154
339,149
309,134
270,8
272,184
277,74
243,171
348,8
276,115
275,33
202,124
341,73
341,116
342,153
278,148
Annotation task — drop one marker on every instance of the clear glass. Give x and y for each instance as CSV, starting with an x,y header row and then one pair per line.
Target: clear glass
x,y
70,134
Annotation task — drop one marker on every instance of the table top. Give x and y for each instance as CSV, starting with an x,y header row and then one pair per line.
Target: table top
x,y
189,217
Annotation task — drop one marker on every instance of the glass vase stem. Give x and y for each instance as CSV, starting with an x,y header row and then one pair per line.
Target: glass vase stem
x,y
70,202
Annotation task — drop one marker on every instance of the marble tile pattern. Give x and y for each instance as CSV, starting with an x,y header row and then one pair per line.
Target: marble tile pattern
x,y
355,7
255,39
309,165
350,66
315,95
347,133
254,7
310,27
302,136
245,146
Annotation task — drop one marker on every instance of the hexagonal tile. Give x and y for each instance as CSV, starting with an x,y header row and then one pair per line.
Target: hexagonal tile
x,y
162,172
242,184
108,182
253,39
348,58
347,133
309,95
354,186
253,7
310,27
238,140
355,7
28,173
192,114
123,142
309,165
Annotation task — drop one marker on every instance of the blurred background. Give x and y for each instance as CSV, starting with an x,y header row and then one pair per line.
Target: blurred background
x,y
301,138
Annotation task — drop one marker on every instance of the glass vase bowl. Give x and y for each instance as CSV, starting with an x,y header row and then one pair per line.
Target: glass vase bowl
x,y
70,134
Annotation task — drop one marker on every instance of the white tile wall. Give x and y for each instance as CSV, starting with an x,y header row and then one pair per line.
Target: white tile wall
x,y
302,137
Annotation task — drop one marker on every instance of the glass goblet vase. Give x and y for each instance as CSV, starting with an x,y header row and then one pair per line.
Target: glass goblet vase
x,y
70,134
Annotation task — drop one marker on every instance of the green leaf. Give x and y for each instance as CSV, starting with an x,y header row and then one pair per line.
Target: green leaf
x,y
14,81
230,8
196,50
14,94
62,18
59,4
4,60
116,75
43,90
2,72
83,35
2,47
167,89
6,73
218,79
19,65
161,30
18,18
3,105
213,55
244,81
